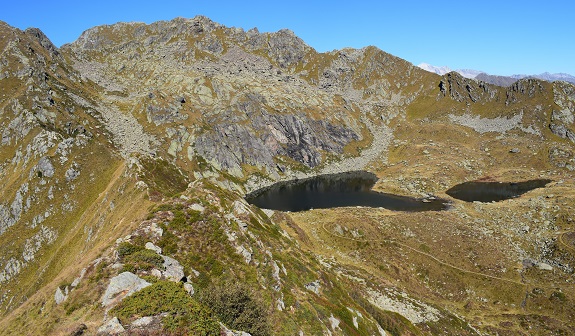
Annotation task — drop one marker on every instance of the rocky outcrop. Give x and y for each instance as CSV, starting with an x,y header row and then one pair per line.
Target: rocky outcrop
x,y
463,89
239,98
59,296
524,88
563,119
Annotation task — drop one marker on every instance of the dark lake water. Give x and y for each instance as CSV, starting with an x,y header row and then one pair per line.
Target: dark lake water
x,y
337,190
493,191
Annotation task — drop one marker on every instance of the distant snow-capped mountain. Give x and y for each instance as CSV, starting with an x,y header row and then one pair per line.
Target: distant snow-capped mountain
x,y
431,68
469,73
495,79
554,77
445,69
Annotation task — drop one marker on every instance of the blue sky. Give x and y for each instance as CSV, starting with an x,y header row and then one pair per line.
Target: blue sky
x,y
498,37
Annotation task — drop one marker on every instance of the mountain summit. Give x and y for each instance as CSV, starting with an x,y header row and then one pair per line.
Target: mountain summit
x,y
126,157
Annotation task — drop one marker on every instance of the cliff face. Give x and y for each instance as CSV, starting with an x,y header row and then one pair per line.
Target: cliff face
x,y
124,157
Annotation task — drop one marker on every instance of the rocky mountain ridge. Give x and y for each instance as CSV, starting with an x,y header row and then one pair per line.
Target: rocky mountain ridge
x,y
126,154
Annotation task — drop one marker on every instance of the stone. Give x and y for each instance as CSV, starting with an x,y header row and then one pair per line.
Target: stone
x,y
72,174
45,167
76,281
334,322
112,327
189,288
59,296
313,286
514,150
143,321
122,285
151,246
544,266
197,207
173,270
228,332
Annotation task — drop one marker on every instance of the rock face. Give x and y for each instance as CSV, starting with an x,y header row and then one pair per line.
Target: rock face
x,y
231,145
563,119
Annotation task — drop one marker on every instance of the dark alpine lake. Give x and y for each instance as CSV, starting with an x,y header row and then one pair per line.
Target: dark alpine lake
x,y
493,191
336,190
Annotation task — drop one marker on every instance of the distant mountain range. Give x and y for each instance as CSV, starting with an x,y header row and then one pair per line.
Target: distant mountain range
x,y
495,79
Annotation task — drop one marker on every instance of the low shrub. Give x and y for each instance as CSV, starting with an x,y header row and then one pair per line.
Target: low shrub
x,y
184,316
237,308
137,258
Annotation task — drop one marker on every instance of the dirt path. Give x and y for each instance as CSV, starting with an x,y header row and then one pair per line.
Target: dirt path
x,y
390,241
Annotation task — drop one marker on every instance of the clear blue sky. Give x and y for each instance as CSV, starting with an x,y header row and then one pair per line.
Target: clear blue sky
x,y
500,37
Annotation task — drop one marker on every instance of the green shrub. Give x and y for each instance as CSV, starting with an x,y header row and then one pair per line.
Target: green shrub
x,y
168,242
126,248
236,308
136,258
179,220
184,315
144,260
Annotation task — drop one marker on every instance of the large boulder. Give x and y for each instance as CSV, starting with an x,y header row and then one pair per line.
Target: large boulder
x,y
122,285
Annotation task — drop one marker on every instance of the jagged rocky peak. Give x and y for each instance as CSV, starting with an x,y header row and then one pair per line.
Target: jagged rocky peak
x,y
38,35
464,89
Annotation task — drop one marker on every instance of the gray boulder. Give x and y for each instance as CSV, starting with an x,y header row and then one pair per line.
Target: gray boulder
x,y
173,270
45,167
59,296
122,285
112,327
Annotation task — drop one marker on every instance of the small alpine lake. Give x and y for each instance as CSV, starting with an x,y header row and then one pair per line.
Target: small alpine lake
x,y
482,191
348,189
